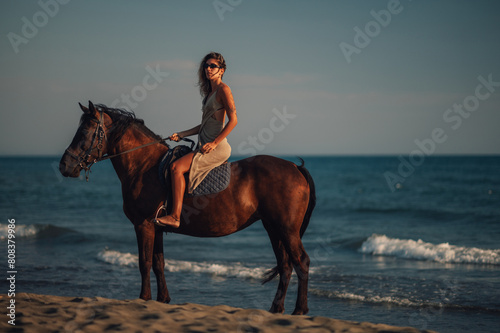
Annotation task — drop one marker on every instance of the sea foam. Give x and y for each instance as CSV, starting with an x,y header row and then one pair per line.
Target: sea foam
x,y
375,299
34,231
21,230
171,265
420,250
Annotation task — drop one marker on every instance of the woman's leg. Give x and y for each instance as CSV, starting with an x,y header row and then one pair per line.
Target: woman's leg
x,y
177,171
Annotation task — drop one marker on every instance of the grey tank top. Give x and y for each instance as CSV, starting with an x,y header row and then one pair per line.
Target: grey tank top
x,y
210,127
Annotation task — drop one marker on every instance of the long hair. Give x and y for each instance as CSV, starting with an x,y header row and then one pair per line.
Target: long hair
x,y
203,81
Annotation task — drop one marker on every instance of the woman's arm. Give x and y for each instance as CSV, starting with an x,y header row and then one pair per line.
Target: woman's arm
x,y
177,136
189,132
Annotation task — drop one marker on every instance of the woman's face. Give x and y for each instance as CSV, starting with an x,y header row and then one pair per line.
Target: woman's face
x,y
212,71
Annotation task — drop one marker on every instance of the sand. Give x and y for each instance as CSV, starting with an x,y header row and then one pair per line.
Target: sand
x,y
43,313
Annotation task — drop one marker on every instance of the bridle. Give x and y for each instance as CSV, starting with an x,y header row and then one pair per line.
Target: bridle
x,y
86,161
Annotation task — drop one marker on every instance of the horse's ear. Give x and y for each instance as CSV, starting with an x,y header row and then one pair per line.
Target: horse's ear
x,y
92,110
84,109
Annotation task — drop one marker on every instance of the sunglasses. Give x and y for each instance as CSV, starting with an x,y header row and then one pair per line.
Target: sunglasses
x,y
212,66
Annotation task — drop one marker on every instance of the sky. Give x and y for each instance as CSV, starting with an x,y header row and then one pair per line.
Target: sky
x,y
308,77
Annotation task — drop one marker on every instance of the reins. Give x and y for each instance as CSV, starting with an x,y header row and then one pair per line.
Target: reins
x,y
100,134
107,157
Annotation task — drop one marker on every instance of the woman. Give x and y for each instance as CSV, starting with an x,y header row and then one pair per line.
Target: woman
x,y
213,148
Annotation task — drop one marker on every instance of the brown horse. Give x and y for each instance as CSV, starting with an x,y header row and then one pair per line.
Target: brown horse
x,y
278,192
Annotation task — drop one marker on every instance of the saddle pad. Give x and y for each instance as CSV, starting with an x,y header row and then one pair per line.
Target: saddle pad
x,y
216,181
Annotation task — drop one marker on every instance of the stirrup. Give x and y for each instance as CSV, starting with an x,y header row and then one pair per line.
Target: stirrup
x,y
158,223
155,220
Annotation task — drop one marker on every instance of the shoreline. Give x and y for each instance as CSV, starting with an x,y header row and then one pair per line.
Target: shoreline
x,y
42,313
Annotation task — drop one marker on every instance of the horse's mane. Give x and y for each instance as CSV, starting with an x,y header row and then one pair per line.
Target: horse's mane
x,y
123,119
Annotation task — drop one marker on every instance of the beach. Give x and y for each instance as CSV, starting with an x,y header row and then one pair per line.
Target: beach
x,y
44,313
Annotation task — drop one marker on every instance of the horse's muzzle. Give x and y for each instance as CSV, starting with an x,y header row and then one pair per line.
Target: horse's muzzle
x,y
69,167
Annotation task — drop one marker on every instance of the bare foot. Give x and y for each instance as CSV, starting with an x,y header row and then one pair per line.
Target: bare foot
x,y
167,221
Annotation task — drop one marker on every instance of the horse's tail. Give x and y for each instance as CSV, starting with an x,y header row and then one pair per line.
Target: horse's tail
x,y
312,197
272,273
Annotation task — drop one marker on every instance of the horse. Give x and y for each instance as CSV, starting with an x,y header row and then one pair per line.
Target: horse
x,y
279,193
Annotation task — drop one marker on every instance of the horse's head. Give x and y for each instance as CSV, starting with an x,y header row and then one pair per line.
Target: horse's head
x,y
88,144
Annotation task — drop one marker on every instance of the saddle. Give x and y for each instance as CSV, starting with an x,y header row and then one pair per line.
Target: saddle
x,y
216,181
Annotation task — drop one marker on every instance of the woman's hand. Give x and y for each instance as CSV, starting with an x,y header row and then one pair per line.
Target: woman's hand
x,y
208,147
175,137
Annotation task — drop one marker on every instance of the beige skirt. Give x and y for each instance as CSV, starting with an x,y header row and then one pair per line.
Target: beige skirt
x,y
203,163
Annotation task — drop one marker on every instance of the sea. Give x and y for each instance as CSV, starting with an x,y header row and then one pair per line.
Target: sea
x,y
393,239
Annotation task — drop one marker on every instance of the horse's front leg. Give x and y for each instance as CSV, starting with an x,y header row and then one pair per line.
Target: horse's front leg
x,y
145,234
159,268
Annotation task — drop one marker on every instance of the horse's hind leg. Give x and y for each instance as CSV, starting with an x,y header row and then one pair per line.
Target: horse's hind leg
x,y
300,260
284,269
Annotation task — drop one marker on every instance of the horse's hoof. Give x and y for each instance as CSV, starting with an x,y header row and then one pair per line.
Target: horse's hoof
x,y
277,309
164,300
298,312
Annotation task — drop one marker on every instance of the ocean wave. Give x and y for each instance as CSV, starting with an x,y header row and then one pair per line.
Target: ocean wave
x,y
171,265
20,231
398,301
370,299
118,258
33,231
420,250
